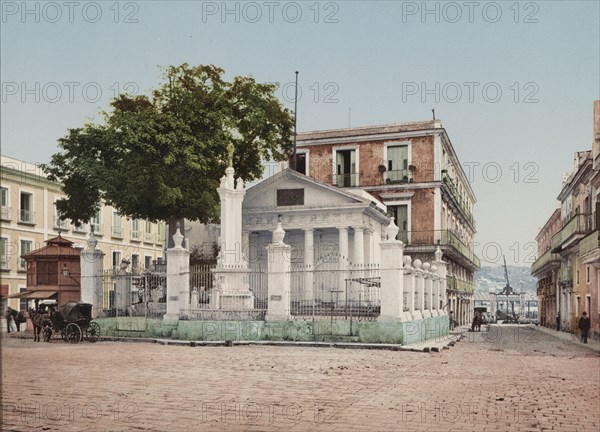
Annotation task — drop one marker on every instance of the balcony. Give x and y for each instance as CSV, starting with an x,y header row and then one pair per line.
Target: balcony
x,y
346,180
545,259
135,235
453,283
116,232
590,243
462,204
26,216
565,275
5,213
398,176
443,238
574,229
147,237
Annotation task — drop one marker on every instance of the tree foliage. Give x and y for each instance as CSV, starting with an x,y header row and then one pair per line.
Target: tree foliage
x,y
160,157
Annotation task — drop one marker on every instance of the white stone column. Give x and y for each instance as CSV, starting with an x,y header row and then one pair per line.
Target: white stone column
x,y
376,249
343,260
427,290
278,277
178,278
420,289
368,243
409,284
392,280
442,284
309,262
92,274
359,247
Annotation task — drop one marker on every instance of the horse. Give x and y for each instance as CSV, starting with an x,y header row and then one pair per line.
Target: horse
x,y
20,318
41,321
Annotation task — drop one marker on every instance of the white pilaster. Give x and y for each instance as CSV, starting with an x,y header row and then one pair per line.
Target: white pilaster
x,y
309,261
359,246
392,280
278,277
420,288
92,269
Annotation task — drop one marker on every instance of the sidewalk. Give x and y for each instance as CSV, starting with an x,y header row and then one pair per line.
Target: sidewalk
x,y
592,344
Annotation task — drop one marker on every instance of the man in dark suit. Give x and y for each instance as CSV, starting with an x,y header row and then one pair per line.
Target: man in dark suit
x,y
584,326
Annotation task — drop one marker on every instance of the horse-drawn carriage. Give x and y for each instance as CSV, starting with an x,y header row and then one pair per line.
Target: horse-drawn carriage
x,y
74,322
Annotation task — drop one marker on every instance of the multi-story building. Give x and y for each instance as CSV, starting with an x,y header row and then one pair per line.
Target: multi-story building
x,y
546,268
413,169
29,217
577,242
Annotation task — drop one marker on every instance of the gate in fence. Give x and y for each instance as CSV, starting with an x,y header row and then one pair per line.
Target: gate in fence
x,y
333,288
141,295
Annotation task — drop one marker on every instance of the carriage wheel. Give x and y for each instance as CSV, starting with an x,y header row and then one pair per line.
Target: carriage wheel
x,y
73,332
63,333
92,332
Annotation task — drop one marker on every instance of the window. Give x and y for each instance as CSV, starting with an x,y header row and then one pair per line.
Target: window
x,y
4,210
147,262
116,224
346,168
577,274
26,214
25,248
587,274
588,304
3,253
23,301
397,165
160,235
58,222
135,229
302,163
116,260
400,215
95,223
148,232
135,263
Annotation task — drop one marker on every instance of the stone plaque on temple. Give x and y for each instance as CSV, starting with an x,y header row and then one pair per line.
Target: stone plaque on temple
x,y
290,197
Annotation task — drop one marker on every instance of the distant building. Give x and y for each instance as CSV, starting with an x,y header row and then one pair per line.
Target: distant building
x,y
413,169
577,242
29,218
546,269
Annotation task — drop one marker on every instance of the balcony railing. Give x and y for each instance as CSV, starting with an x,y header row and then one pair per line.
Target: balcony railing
x,y
461,202
116,231
444,238
5,213
578,224
546,258
398,176
346,180
135,235
565,274
26,216
453,283
589,243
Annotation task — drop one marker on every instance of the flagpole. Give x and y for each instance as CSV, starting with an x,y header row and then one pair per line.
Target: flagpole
x,y
293,164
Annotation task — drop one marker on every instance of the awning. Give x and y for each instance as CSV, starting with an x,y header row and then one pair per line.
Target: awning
x,y
41,294
20,295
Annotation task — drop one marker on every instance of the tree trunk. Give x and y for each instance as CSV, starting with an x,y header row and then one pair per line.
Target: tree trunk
x,y
172,229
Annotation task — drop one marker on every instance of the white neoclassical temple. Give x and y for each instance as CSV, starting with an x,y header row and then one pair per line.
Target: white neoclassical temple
x,y
320,220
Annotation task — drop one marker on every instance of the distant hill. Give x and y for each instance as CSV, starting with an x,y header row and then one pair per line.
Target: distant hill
x,y
492,279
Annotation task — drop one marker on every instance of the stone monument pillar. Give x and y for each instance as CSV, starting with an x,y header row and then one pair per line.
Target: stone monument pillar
x,y
278,277
92,273
231,273
392,280
178,278
419,288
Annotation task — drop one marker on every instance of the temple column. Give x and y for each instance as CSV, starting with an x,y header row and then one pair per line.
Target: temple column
x,y
343,260
359,246
309,260
368,245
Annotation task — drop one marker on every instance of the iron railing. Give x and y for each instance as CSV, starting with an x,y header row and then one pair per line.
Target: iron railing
x,y
347,180
589,243
398,176
546,258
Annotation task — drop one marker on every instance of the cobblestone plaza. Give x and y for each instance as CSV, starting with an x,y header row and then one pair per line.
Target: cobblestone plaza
x,y
510,379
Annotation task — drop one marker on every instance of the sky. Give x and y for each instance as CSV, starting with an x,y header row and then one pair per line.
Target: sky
x,y
512,82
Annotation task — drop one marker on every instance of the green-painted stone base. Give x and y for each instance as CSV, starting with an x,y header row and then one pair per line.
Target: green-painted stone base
x,y
305,331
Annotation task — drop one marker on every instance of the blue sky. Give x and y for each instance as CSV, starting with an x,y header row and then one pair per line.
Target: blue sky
x,y
386,61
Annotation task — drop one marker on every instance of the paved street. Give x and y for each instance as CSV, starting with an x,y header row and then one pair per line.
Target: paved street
x,y
512,379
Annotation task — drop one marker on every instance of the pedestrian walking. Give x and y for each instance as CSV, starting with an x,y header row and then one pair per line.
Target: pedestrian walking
x,y
584,326
558,321
451,319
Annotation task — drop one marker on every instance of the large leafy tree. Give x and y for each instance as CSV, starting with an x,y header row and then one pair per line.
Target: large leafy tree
x,y
160,157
